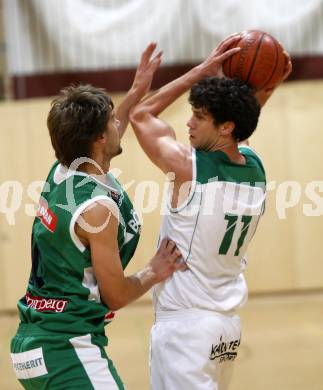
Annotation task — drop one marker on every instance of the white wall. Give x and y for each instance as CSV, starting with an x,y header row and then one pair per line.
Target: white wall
x,y
61,35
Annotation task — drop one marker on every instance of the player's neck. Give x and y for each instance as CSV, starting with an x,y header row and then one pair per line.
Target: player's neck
x,y
234,155
98,169
230,148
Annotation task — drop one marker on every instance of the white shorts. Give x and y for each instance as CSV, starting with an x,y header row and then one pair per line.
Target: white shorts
x,y
193,350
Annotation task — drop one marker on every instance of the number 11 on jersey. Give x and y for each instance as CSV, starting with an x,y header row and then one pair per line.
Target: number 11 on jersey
x,y
231,226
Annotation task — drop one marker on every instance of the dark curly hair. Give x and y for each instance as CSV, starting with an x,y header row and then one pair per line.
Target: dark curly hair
x,y
77,117
228,100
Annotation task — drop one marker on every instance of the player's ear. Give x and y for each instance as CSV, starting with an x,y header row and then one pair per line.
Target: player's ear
x,y
102,138
227,128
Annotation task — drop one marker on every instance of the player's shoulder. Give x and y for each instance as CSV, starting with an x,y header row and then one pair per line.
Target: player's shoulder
x,y
179,160
52,170
246,150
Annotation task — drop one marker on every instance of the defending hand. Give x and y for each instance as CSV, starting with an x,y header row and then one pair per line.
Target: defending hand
x,y
167,260
146,70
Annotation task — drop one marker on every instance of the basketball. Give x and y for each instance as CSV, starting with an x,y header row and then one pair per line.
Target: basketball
x,y
260,62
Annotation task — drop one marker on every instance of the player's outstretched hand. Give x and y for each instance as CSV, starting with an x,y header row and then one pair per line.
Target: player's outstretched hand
x,y
146,69
212,65
167,260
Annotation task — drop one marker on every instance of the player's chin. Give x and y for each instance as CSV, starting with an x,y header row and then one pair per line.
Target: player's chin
x,y
117,151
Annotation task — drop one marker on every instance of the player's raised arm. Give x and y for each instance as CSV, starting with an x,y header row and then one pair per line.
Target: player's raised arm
x,y
156,137
141,84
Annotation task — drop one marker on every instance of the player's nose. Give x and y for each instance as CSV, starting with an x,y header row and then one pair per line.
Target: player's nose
x,y
189,123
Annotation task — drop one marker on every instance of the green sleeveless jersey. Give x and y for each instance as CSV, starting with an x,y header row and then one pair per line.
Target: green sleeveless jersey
x,y
62,294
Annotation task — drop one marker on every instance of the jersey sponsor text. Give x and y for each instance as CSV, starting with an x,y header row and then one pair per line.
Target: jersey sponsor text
x,y
46,304
46,215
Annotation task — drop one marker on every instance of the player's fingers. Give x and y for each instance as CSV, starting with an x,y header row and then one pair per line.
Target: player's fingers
x,y
157,59
228,54
176,256
171,246
163,243
286,55
154,66
148,52
158,55
181,266
224,45
177,253
288,65
220,72
234,35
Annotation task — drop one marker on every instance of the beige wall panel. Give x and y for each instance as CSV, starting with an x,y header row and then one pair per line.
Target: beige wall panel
x,y
286,253
25,157
14,167
270,254
306,159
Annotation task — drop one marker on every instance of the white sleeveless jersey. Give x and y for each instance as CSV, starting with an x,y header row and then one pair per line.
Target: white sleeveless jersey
x,y
212,229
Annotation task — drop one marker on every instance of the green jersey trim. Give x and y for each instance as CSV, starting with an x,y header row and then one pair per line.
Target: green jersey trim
x,y
246,150
114,209
217,166
63,173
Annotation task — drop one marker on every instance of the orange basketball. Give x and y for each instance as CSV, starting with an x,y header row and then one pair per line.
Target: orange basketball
x,y
260,62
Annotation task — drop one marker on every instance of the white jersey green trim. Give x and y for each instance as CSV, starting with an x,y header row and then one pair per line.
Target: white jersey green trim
x,y
213,231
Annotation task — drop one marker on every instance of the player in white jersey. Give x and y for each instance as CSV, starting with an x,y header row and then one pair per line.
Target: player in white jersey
x,y
213,211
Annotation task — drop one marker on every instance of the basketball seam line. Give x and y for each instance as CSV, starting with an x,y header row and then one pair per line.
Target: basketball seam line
x,y
274,70
255,57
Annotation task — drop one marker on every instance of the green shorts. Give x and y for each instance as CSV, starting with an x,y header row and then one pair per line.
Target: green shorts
x,y
58,361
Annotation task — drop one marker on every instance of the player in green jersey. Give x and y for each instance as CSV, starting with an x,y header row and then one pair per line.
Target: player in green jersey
x,y
84,235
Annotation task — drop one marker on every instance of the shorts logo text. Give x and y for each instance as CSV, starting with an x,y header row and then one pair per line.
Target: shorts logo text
x,y
29,364
224,350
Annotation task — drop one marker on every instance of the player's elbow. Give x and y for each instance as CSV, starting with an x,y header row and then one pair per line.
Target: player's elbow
x,y
115,306
137,115
113,302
